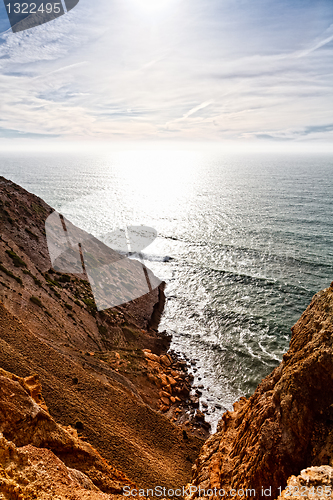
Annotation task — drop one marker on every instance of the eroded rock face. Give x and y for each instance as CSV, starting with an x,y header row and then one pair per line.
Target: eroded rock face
x,y
28,473
37,455
287,424
312,483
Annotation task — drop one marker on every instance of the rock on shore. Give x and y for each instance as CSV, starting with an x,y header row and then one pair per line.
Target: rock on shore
x,y
287,424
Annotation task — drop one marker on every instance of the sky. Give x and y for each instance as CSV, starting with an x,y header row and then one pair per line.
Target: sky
x,y
222,71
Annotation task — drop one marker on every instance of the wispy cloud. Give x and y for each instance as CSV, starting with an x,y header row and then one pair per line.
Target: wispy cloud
x,y
189,113
191,70
321,42
197,108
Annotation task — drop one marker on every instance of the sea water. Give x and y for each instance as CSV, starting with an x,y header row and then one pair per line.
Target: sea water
x,y
244,242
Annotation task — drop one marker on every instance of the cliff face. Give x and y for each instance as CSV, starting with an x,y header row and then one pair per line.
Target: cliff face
x,y
287,424
94,372
105,375
41,459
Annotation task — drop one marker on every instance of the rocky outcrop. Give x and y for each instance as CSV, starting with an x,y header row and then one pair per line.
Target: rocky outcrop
x,y
312,483
41,459
286,425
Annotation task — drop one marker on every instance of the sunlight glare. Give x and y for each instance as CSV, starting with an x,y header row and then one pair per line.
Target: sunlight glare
x,y
151,6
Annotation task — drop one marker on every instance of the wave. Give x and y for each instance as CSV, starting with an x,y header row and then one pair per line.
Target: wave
x,y
150,258
249,279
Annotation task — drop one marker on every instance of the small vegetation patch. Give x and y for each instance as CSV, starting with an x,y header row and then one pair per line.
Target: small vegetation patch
x,y
89,302
17,261
65,278
68,306
36,301
36,280
130,334
9,273
37,208
102,330
50,280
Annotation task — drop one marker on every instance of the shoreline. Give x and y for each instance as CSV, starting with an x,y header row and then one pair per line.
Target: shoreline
x,y
168,387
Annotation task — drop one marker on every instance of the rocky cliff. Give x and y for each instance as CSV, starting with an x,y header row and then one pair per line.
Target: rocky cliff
x,y
112,407
94,366
285,426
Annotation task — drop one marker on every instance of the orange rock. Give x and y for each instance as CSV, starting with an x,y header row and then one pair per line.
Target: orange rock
x,y
164,394
152,377
164,379
153,367
152,357
168,388
165,401
165,360
158,382
172,381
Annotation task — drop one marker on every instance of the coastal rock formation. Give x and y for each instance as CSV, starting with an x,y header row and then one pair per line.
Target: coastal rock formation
x,y
38,456
30,473
108,381
91,364
286,425
312,483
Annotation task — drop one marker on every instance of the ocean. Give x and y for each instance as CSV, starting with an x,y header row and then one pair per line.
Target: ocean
x,y
244,242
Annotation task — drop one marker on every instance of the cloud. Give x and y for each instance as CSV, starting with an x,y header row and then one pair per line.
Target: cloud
x,y
112,71
318,44
295,134
189,113
197,108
